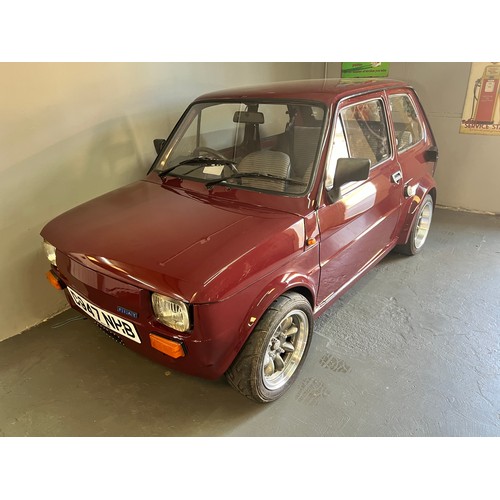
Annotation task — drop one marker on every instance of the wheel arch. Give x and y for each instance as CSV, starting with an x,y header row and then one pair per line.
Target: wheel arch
x,y
433,193
304,285
422,192
304,291
300,286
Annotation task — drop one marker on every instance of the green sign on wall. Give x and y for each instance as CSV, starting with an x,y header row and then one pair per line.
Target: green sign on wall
x,y
365,69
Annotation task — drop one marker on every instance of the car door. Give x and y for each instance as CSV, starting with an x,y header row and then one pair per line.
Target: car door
x,y
360,225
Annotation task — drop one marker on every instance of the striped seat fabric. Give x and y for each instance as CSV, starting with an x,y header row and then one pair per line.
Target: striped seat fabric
x,y
265,162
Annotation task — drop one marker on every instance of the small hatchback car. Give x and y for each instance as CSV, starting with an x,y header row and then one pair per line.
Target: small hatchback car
x,y
263,207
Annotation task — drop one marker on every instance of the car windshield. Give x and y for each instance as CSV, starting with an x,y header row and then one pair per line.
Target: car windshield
x,y
264,146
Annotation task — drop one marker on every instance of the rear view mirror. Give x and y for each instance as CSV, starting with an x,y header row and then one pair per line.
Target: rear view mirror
x,y
158,144
248,117
348,170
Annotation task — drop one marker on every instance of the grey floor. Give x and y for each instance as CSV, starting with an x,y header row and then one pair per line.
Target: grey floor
x,y
411,350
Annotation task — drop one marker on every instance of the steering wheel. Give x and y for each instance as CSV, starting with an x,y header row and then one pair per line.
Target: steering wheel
x,y
218,156
203,149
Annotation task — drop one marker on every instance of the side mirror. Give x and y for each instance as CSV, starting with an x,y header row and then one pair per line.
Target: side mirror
x,y
348,170
431,154
158,144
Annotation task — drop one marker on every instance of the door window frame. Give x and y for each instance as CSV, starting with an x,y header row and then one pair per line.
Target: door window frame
x,y
341,105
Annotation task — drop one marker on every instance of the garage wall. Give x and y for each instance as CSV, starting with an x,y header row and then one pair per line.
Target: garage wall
x,y
468,173
72,131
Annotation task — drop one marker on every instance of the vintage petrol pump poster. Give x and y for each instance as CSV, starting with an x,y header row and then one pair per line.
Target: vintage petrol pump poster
x,y
481,113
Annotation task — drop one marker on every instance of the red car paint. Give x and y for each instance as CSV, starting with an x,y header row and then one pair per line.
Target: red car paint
x,y
230,253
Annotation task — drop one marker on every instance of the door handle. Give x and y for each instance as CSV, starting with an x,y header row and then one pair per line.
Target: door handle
x,y
396,177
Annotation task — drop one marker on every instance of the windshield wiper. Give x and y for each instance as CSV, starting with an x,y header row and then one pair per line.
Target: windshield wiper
x,y
201,160
259,175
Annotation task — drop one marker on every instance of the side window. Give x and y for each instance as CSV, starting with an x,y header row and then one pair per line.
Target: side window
x,y
406,122
366,132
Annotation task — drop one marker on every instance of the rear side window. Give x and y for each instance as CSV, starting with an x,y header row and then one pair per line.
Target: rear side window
x,y
365,129
406,122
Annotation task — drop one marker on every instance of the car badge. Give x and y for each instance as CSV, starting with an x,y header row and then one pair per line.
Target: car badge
x,y
127,312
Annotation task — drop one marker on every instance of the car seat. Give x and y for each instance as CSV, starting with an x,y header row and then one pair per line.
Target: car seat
x,y
269,162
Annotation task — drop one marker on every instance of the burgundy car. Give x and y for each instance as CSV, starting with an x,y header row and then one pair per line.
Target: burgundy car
x,y
261,209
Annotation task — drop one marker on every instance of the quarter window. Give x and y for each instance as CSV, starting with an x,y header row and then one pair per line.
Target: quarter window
x,y
406,123
338,150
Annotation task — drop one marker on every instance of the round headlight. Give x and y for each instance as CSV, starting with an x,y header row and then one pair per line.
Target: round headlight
x,y
50,252
170,312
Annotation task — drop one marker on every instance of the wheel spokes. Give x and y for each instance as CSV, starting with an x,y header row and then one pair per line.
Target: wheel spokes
x,y
268,366
288,328
291,331
286,324
278,363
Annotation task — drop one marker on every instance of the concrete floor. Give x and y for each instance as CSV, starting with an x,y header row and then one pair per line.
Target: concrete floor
x,y
412,350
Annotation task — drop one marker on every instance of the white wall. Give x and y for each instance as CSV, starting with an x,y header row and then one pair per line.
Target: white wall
x,y
72,131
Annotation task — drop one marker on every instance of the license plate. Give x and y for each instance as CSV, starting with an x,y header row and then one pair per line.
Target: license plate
x,y
105,318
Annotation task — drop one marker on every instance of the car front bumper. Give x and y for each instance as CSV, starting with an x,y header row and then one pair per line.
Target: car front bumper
x,y
207,350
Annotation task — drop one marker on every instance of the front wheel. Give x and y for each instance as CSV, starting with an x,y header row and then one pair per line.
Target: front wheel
x,y
269,362
420,228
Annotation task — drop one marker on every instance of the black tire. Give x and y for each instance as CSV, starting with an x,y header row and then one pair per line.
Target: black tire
x,y
416,240
256,372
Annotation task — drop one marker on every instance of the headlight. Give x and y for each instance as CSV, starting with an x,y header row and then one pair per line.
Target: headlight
x,y
170,312
50,252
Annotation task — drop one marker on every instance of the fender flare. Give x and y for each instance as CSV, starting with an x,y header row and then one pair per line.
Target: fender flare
x,y
270,292
422,192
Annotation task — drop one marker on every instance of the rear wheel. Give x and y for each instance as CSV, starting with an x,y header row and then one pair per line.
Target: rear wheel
x,y
271,358
420,228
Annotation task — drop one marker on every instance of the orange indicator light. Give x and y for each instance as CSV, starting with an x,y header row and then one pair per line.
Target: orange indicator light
x,y
169,347
53,280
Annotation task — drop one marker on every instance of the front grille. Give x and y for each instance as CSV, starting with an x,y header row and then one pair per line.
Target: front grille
x,y
110,334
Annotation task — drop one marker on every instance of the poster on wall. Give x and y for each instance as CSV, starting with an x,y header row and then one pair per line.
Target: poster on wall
x,y
365,69
481,113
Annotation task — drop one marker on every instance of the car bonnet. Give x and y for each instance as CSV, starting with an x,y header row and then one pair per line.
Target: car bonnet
x,y
174,243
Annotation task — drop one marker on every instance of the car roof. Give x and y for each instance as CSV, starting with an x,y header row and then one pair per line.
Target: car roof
x,y
325,90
